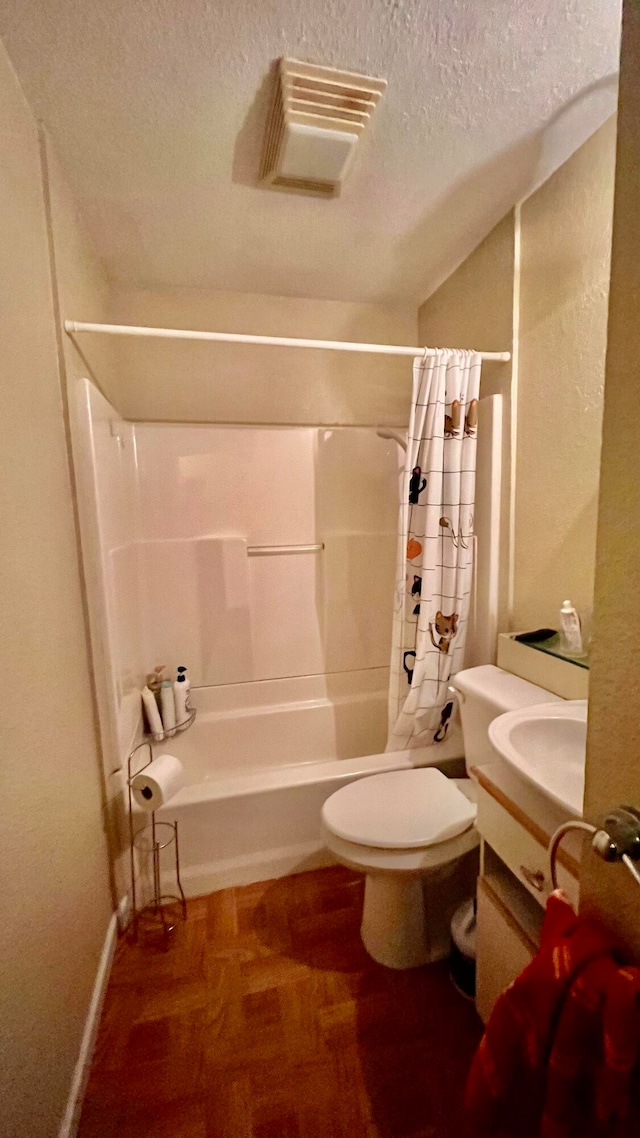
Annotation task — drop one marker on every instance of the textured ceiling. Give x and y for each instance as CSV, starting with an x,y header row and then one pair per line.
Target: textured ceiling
x,y
157,108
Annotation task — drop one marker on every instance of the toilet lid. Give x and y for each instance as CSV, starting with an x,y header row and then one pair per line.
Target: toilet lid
x,y
399,810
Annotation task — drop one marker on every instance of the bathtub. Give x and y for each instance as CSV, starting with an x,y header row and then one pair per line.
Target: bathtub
x,y
262,758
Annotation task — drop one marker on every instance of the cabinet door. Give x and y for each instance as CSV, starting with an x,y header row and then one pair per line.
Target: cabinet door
x,y
503,949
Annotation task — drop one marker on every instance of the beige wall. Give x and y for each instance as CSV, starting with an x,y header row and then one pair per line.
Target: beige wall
x,y
237,383
564,283
546,268
474,306
80,285
55,883
613,749
474,309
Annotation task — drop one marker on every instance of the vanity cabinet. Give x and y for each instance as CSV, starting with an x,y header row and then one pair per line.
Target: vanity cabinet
x,y
503,948
515,823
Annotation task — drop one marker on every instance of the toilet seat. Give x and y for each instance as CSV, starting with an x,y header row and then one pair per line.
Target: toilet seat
x,y
399,810
400,863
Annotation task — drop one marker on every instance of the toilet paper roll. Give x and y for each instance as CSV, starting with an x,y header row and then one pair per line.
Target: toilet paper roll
x,y
158,782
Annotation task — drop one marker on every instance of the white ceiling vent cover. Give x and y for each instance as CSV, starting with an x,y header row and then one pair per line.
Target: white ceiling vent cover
x,y
316,119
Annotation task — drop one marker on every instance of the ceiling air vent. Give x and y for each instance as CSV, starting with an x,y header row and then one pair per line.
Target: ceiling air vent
x,y
316,119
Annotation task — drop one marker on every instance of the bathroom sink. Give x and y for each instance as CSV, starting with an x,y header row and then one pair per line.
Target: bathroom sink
x,y
546,744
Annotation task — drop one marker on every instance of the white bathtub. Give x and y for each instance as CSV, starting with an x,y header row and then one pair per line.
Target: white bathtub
x,y
262,758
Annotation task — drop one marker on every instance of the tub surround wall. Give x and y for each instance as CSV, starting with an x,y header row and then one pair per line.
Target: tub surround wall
x,y
171,515
233,383
107,476
208,494
56,891
193,536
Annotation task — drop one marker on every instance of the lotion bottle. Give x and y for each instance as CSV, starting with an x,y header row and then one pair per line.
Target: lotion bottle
x,y
571,630
168,707
181,692
182,675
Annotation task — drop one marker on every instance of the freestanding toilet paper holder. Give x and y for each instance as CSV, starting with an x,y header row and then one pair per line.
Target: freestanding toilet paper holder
x,y
151,839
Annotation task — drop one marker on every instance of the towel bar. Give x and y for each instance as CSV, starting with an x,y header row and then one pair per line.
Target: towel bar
x,y
266,550
619,841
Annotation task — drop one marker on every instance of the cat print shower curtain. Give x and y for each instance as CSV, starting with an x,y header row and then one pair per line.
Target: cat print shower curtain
x,y
435,547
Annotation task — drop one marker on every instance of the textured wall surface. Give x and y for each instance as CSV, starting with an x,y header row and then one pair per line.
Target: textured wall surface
x,y
474,309
613,747
81,283
161,379
158,113
52,848
564,288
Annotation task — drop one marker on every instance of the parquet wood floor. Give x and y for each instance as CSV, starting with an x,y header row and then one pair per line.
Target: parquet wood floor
x,y
265,1018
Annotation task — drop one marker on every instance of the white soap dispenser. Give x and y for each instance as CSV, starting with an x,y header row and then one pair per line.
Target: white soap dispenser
x,y
571,632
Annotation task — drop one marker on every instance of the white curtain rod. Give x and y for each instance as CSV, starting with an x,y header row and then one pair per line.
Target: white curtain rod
x,y
72,326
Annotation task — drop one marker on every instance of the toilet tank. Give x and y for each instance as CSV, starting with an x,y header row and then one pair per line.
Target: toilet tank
x,y
483,694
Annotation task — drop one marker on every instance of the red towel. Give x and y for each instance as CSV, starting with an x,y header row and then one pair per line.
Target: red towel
x,y
560,1054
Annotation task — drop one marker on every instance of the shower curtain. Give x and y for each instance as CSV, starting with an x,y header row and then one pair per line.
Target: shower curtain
x,y
435,547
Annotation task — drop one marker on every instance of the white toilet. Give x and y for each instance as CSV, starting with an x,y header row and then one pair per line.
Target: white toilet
x,y
410,830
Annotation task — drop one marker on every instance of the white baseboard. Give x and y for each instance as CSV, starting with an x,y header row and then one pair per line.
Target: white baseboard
x,y
69,1124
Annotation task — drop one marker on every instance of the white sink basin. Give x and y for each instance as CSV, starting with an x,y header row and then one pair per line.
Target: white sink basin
x,y
546,744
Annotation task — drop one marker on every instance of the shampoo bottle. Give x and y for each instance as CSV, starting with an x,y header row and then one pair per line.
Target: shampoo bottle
x,y
168,707
571,630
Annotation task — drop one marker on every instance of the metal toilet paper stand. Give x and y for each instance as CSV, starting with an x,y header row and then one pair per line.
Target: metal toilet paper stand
x,y
151,839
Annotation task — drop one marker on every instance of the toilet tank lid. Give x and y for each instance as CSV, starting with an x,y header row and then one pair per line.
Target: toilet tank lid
x,y
506,691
